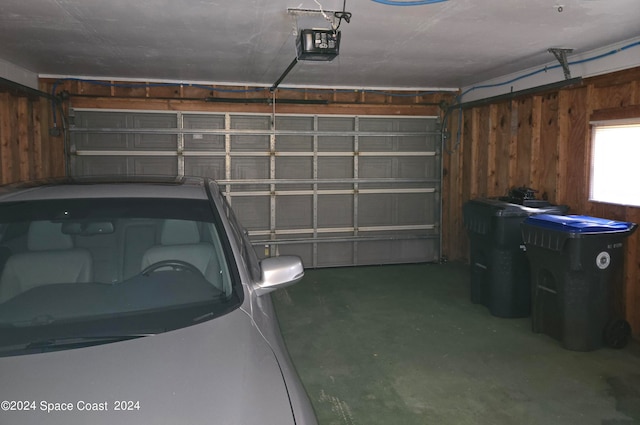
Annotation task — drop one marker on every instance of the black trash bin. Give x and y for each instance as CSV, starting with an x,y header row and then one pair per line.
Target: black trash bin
x,y
500,278
573,262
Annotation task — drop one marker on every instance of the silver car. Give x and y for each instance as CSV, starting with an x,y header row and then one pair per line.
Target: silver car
x,y
139,302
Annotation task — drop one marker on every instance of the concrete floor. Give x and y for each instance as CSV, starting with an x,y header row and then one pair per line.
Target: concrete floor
x,y
404,345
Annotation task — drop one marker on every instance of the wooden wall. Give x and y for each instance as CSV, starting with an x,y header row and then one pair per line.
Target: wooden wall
x,y
27,152
541,141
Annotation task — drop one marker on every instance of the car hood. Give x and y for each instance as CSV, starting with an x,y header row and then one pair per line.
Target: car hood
x,y
218,372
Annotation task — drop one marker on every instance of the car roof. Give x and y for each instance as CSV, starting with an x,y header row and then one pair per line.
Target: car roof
x,y
107,187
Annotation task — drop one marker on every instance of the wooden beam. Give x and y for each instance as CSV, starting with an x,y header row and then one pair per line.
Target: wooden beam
x,y
524,142
459,237
24,139
454,237
632,111
573,139
472,165
536,129
8,135
614,78
502,136
590,208
548,153
562,145
36,123
200,106
493,162
513,145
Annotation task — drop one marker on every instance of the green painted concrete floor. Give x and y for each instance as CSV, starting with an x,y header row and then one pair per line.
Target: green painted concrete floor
x,y
404,345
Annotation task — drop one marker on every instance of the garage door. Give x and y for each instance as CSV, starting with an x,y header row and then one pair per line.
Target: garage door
x,y
335,190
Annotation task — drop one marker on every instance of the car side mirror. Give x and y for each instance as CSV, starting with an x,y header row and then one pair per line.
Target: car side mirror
x,y
278,272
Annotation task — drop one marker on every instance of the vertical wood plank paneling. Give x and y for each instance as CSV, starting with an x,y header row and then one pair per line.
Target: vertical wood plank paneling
x,y
468,188
25,151
46,119
473,167
492,150
36,124
56,144
614,212
8,135
502,136
573,153
459,240
481,149
535,180
562,145
447,194
465,135
548,153
4,129
452,180
512,177
524,140
24,140
14,141
56,152
591,103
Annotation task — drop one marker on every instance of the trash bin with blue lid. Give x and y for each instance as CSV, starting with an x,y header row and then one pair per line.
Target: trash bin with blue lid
x,y
574,260
500,278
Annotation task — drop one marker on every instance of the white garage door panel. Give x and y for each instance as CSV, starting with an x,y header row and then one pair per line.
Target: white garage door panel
x,y
335,190
335,254
253,212
119,165
335,211
212,166
296,212
388,252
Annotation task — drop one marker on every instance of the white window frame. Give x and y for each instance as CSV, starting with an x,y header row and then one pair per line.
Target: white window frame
x,y
615,162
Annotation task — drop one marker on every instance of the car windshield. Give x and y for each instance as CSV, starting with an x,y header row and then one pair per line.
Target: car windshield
x,y
102,269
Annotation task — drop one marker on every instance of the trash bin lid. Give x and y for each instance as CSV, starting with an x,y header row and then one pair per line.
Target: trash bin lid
x,y
578,223
500,208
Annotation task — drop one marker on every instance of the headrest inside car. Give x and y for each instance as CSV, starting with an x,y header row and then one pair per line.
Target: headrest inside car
x,y
179,232
47,236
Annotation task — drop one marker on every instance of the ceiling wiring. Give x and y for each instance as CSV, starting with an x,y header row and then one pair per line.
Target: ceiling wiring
x,y
329,15
459,104
547,68
325,14
343,15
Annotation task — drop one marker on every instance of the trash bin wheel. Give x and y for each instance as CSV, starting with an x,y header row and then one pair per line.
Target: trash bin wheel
x,y
617,333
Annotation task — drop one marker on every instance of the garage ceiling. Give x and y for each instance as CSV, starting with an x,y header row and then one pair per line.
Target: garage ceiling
x,y
449,44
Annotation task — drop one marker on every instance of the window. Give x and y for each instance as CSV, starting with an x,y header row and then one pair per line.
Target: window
x,y
615,162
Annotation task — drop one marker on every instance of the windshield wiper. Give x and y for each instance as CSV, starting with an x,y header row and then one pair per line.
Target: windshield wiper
x,y
57,344
81,341
65,343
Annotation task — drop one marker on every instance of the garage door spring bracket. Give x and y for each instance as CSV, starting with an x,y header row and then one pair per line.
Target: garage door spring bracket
x,y
561,56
